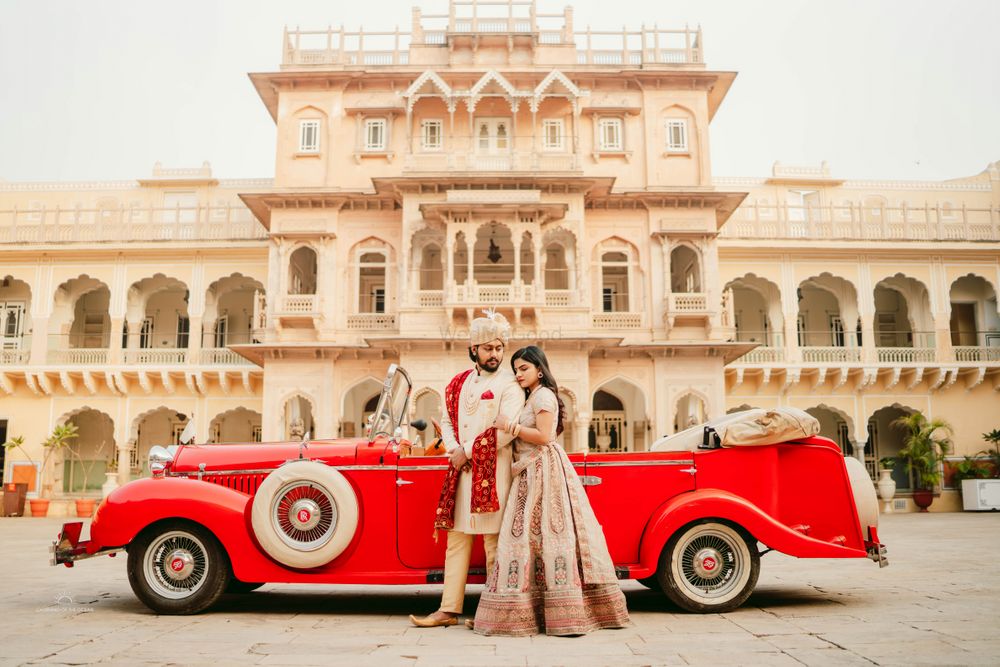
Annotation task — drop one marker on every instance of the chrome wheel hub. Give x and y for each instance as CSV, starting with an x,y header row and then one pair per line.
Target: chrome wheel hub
x,y
304,514
175,565
707,563
179,564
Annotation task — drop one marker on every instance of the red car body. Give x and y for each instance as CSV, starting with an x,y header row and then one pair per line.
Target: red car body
x,y
794,497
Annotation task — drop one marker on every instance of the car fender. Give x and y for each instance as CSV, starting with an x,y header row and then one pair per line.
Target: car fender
x,y
131,508
714,503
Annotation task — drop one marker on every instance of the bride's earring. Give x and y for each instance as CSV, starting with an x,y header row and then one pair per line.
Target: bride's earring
x,y
539,376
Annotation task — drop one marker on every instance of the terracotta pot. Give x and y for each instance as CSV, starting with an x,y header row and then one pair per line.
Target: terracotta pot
x,y
85,507
923,498
39,506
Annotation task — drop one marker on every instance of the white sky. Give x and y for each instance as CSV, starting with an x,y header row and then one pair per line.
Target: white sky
x,y
878,88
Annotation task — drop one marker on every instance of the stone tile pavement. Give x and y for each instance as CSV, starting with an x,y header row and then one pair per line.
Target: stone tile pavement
x,y
937,604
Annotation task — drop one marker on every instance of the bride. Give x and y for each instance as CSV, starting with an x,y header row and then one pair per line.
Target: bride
x,y
552,571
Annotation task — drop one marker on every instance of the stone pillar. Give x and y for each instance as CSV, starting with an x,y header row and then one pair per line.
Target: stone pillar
x,y
125,449
470,244
868,352
449,276
115,341
40,340
516,239
194,339
942,338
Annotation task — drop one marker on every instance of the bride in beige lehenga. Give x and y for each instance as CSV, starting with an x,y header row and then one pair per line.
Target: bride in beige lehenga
x,y
552,571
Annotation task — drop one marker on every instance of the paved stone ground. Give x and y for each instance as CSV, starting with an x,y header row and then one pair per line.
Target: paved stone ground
x,y
938,603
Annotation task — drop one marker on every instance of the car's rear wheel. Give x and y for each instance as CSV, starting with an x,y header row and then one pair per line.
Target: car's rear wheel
x,y
709,567
177,567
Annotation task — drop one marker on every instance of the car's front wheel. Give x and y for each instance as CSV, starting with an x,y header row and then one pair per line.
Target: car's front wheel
x,y
709,567
177,567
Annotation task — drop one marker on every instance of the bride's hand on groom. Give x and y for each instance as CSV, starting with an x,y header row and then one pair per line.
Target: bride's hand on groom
x,y
501,422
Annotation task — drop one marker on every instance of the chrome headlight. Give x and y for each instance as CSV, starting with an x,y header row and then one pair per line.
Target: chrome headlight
x,y
159,459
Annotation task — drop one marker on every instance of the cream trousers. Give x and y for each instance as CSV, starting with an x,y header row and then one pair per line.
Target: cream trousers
x,y
456,567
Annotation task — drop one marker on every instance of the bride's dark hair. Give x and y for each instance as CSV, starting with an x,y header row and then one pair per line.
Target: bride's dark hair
x,y
534,356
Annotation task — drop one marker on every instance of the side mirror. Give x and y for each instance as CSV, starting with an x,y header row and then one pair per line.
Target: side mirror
x,y
419,424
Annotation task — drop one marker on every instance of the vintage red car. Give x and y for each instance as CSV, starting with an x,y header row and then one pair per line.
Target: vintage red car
x,y
228,518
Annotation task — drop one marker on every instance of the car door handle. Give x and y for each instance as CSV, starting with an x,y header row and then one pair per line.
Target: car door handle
x,y
401,482
590,480
692,470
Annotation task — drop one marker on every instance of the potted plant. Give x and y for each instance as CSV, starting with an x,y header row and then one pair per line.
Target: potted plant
x,y
85,506
57,441
925,444
17,442
886,484
978,490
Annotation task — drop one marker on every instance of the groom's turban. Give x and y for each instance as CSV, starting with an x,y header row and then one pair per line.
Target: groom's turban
x,y
493,326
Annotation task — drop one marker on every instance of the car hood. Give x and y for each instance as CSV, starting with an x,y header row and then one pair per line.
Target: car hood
x,y
265,456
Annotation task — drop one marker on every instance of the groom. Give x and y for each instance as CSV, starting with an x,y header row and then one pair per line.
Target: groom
x,y
478,481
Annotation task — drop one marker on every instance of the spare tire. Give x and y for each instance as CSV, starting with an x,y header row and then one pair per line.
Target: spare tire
x,y
865,499
304,514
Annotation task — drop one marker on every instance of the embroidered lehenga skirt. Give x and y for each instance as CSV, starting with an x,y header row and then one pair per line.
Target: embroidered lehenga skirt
x,y
552,573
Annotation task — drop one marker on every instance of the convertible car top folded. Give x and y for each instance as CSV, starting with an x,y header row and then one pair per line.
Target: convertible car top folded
x,y
754,427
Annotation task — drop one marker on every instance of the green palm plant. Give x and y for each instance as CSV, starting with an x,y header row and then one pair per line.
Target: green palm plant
x,y
993,437
925,444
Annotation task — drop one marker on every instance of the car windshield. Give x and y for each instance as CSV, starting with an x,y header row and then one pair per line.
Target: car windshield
x,y
392,403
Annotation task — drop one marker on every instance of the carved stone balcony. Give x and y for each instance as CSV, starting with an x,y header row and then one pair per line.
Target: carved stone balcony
x,y
298,310
156,356
372,322
617,320
685,306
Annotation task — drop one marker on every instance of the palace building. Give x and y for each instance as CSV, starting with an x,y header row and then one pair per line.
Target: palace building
x,y
491,156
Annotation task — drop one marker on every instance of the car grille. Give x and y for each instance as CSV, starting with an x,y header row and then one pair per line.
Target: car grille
x,y
247,483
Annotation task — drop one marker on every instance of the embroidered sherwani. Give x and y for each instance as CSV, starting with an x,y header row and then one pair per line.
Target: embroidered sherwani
x,y
508,398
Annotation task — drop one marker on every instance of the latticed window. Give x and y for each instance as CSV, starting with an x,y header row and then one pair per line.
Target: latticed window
x,y
430,135
610,134
552,135
375,134
309,136
677,135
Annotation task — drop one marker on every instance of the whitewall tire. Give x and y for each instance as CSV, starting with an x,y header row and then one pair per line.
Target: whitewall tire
x,y
304,514
709,567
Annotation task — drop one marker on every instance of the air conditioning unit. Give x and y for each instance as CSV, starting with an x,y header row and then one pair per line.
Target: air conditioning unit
x,y
981,494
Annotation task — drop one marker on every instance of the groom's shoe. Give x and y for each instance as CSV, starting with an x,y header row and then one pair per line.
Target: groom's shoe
x,y
470,623
432,622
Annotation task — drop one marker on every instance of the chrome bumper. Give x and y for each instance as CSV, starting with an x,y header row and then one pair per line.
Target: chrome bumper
x,y
68,548
875,549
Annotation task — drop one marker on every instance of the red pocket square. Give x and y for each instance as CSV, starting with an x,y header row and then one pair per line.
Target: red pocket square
x,y
487,395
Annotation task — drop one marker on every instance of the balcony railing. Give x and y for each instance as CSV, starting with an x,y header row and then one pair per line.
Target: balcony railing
x,y
15,350
690,302
156,356
560,297
299,304
976,353
430,298
80,225
617,320
372,322
493,294
517,161
337,46
217,356
764,355
79,356
831,354
858,222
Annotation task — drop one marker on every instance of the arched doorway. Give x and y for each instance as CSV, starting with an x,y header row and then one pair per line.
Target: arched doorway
x,y
359,403
236,425
299,418
618,418
159,427
833,425
83,463
690,411
15,321
885,439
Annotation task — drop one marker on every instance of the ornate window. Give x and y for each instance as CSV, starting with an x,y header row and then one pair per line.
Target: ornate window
x,y
375,135
431,135
677,135
610,134
552,135
309,136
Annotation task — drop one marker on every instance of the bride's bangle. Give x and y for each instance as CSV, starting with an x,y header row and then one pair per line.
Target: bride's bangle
x,y
517,430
